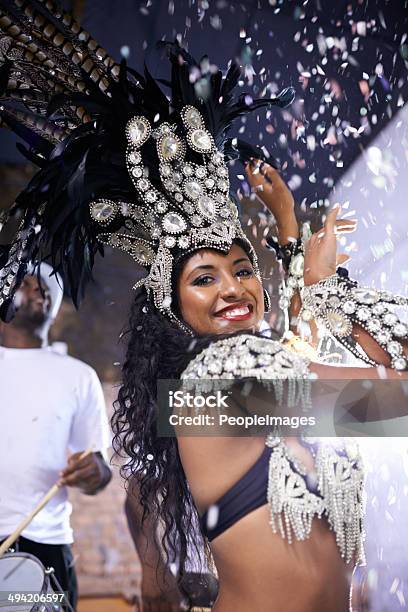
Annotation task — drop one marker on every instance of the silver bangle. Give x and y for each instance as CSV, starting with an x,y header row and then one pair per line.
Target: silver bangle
x,y
337,303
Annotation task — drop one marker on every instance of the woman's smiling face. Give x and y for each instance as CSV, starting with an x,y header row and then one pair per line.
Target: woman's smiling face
x,y
220,294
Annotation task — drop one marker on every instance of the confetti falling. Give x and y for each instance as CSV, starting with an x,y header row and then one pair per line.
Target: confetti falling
x,y
348,64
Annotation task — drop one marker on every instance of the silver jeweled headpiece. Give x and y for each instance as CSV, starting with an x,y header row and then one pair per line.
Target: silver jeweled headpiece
x,y
79,111
192,210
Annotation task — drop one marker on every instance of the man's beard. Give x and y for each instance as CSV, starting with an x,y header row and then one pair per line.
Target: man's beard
x,y
30,317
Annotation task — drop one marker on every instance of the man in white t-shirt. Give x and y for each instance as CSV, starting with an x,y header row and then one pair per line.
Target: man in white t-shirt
x,y
52,409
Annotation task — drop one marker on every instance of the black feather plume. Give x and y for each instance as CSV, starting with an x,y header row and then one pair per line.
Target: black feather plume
x,y
70,102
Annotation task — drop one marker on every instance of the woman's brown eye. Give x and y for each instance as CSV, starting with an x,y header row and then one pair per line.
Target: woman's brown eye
x,y
245,272
202,280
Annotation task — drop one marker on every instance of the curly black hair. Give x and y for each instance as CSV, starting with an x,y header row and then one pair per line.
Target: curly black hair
x,y
157,349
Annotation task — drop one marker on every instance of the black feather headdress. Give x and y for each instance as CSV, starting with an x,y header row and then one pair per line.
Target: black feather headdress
x,y
71,102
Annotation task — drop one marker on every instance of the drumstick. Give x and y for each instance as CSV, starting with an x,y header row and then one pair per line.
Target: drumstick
x,y
49,495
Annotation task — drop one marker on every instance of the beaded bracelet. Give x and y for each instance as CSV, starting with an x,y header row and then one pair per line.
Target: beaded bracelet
x,y
286,252
337,303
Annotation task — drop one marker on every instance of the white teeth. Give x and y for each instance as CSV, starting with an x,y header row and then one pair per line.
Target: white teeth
x,y
236,312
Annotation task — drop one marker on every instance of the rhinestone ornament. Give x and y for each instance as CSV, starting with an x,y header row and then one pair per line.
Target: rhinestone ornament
x,y
138,131
207,207
400,330
200,140
192,117
143,184
383,337
183,242
394,348
365,296
200,172
103,211
363,313
349,306
390,318
169,147
144,254
193,189
400,363
379,309
374,325
338,323
173,223
169,241
135,157
165,170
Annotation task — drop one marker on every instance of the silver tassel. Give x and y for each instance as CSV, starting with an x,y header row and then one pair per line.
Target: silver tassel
x,y
340,481
292,505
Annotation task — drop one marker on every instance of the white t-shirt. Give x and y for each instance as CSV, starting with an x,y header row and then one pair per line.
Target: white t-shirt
x,y
50,405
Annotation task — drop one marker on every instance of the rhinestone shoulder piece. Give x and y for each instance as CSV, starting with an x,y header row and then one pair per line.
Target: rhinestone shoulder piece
x,y
247,356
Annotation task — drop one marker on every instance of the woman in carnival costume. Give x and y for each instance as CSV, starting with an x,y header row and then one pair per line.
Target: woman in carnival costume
x,y
123,164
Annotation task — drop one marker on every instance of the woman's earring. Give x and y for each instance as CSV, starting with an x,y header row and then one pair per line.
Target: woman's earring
x,y
267,301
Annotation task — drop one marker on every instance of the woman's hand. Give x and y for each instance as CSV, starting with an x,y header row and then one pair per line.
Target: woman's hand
x,y
273,192
321,257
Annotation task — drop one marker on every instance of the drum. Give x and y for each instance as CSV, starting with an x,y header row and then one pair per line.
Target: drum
x,y
25,585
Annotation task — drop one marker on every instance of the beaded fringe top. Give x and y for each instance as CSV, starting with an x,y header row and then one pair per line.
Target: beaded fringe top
x,y
334,490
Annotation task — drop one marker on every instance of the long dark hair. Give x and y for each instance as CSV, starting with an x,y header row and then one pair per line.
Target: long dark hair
x,y
157,349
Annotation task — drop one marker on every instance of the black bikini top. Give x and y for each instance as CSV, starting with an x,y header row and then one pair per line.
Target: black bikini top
x,y
245,496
